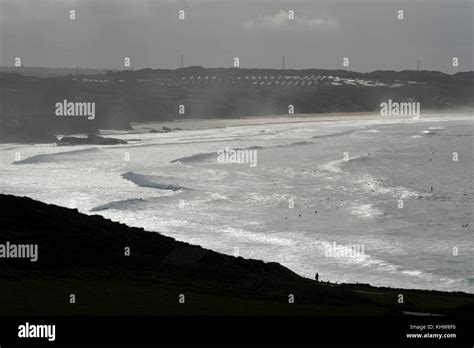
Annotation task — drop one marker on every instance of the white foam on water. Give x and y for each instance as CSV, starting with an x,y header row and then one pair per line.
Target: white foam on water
x,y
265,238
266,199
217,196
256,228
373,185
365,211
332,166
367,182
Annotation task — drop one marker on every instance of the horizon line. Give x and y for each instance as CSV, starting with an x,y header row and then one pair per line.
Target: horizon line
x,y
231,67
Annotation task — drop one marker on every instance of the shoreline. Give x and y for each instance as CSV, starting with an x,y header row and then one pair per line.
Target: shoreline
x,y
86,253
212,123
333,116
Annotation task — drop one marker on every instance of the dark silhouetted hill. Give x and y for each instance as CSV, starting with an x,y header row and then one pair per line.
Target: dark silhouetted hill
x,y
27,109
86,256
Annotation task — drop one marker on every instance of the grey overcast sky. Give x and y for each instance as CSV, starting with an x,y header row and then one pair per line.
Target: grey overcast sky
x,y
259,32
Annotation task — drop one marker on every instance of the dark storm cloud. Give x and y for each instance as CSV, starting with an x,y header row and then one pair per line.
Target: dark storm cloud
x,y
258,32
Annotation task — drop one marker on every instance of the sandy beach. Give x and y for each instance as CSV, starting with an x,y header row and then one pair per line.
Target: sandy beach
x,y
208,123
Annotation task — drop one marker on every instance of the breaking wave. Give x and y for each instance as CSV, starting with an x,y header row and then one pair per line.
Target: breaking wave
x,y
365,211
151,181
195,158
56,157
120,205
198,157
367,182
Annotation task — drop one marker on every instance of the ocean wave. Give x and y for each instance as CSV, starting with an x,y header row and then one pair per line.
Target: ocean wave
x,y
360,257
199,157
151,181
203,156
263,238
332,166
335,166
430,131
56,157
120,205
298,143
366,260
195,158
333,134
370,184
217,196
366,181
266,199
365,211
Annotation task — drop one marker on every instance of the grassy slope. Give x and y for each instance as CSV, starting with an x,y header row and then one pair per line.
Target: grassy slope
x,y
84,255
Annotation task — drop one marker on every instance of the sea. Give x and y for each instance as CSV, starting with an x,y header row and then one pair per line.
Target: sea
x,y
387,202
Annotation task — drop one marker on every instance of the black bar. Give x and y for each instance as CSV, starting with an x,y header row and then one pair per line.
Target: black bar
x,y
271,330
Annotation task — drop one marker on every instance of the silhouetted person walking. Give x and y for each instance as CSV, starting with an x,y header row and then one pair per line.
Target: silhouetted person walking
x,y
317,277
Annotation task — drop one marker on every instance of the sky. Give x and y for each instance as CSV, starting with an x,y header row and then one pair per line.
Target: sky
x,y
259,32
